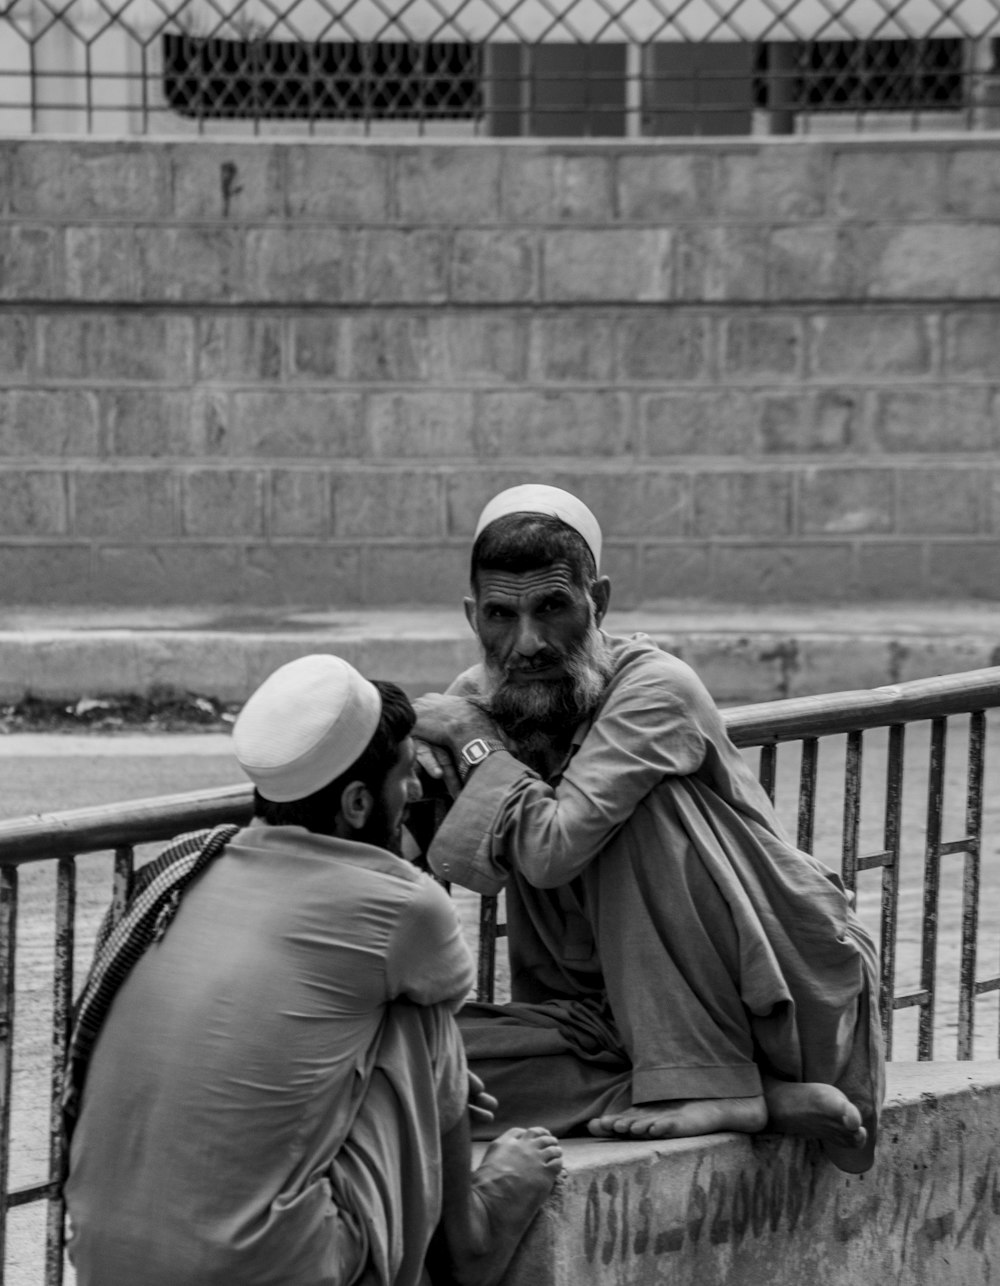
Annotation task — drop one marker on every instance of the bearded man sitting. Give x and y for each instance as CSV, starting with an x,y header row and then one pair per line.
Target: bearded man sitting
x,y
678,967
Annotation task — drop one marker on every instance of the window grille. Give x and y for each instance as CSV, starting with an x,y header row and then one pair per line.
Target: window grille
x,y
862,75
208,77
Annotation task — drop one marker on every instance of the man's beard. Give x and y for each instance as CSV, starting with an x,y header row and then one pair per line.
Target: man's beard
x,y
534,713
379,831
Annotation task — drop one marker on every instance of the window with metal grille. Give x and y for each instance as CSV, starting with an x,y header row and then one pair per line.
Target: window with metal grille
x,y
861,75
210,76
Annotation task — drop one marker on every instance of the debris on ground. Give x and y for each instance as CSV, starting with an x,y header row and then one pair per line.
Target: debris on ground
x,y
160,709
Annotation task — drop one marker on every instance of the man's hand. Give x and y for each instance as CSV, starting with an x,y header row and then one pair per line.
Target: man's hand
x,y
482,1106
444,725
437,763
450,721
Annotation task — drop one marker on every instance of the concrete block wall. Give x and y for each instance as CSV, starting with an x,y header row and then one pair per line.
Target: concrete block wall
x,y
268,373
764,1211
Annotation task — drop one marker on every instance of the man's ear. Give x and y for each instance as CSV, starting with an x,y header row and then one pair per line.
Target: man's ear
x,y
356,805
470,613
601,594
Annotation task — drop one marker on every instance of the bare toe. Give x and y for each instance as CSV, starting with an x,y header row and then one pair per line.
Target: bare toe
x,y
684,1118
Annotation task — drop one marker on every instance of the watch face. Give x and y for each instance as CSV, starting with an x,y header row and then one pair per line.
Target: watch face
x,y
475,751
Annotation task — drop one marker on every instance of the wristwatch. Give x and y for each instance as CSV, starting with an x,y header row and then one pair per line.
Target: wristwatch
x,y
474,752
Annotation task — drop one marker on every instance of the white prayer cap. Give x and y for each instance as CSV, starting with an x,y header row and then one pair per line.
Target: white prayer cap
x,y
536,498
305,724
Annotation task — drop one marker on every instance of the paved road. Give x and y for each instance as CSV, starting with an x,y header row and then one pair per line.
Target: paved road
x,y
42,773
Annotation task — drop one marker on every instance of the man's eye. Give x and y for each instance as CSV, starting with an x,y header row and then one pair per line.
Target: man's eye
x,y
498,613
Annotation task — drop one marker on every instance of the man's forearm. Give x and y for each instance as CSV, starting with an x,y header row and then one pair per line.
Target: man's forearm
x,y
462,850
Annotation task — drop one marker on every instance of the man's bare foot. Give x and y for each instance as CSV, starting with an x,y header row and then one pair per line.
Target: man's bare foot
x,y
818,1111
684,1118
509,1187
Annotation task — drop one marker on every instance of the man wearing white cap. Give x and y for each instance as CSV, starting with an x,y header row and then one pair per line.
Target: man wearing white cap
x,y
677,966
266,1083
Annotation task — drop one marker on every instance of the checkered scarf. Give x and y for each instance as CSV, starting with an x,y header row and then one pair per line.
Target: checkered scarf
x,y
152,905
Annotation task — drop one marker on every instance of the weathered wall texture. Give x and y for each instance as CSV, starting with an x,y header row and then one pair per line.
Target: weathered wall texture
x,y
729,1211
265,373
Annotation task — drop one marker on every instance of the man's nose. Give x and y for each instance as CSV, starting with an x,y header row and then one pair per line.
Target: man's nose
x,y
529,640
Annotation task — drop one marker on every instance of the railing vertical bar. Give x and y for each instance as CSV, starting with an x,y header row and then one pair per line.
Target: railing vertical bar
x,y
890,878
62,1012
807,793
932,882
768,770
852,808
487,949
970,883
121,885
8,955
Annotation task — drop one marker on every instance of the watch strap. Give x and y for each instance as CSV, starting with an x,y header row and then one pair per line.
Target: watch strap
x,y
474,752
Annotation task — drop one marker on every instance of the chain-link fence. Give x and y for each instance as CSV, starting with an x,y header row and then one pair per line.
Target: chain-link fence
x,y
505,68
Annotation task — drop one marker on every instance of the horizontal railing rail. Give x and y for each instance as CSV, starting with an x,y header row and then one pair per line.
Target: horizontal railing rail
x,y
48,836
60,838
827,714
90,830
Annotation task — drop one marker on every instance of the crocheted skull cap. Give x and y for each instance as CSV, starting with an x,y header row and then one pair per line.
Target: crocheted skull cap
x,y
537,498
305,724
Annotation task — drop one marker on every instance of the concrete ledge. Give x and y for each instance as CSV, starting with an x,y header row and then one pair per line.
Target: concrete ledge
x,y
729,1210
742,654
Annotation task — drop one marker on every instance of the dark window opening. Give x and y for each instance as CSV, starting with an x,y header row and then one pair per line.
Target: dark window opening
x,y
209,76
860,75
698,89
557,89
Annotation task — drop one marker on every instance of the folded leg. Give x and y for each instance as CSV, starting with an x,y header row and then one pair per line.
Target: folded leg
x,y
388,1173
559,1063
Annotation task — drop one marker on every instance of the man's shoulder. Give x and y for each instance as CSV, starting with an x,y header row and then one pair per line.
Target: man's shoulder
x,y
409,894
398,878
647,677
637,659
283,848
470,683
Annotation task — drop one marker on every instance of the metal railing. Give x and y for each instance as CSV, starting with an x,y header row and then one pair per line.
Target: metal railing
x,y
59,839
496,67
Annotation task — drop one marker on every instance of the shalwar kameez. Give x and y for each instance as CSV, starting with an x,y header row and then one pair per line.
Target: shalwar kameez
x,y
666,939
265,1101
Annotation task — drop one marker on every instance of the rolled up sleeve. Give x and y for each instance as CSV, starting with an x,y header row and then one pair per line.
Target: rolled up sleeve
x,y
507,817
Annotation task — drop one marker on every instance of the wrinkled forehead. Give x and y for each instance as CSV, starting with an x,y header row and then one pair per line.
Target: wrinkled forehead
x,y
528,587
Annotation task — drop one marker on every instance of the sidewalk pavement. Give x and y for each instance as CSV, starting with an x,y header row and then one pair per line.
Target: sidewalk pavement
x,y
742,654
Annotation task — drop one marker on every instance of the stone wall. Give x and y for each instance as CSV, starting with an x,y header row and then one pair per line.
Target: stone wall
x,y
267,373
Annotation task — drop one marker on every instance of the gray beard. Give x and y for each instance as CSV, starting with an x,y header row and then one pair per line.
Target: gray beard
x,y
537,715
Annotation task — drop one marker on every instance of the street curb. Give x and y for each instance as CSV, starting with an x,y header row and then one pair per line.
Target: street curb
x,y
741,656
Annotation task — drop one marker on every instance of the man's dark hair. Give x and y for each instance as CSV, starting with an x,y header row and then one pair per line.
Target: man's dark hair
x,y
526,542
318,811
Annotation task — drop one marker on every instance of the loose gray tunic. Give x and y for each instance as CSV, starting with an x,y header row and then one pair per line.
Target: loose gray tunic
x,y
266,1098
666,939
